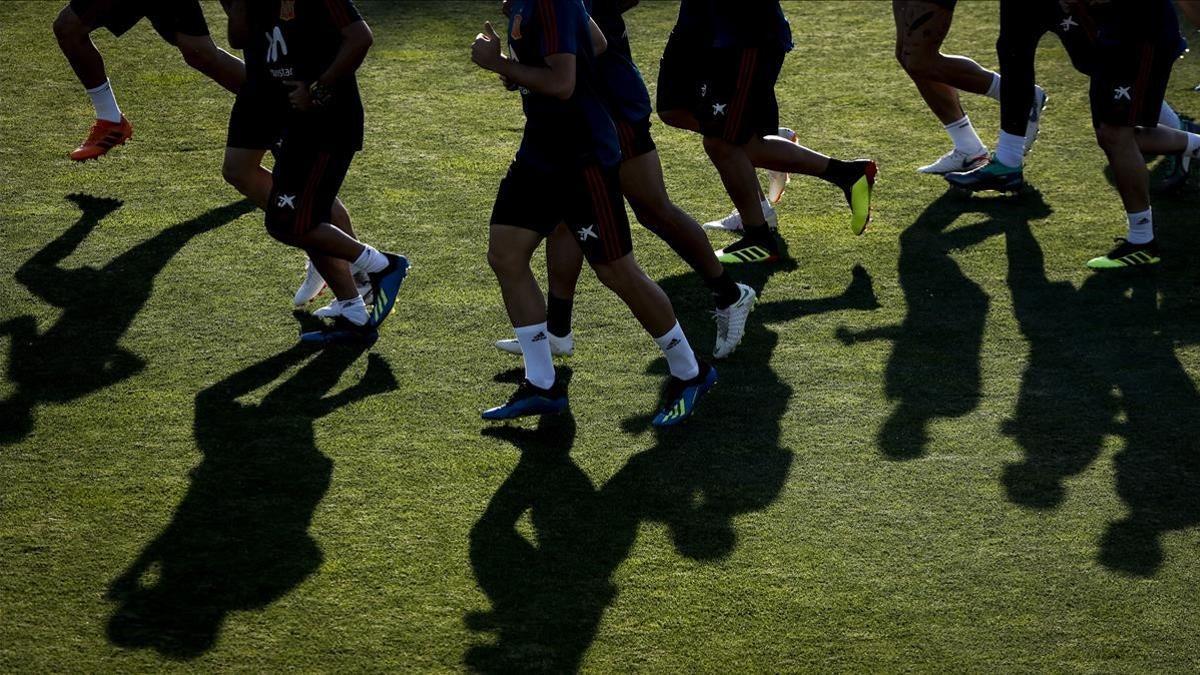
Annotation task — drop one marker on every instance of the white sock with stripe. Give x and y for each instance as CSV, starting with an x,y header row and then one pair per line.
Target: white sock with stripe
x,y
1141,227
680,357
370,260
354,310
535,349
965,139
105,103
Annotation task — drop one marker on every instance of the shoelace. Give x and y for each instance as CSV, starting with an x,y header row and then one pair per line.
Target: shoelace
x,y
722,319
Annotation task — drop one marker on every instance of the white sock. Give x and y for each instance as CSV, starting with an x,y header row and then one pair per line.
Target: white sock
x,y
1169,117
105,103
993,91
1010,149
370,261
680,357
965,139
1141,227
1193,146
354,310
535,348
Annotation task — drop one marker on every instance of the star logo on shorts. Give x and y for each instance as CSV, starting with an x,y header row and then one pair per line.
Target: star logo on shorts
x,y
1122,93
1067,24
588,232
287,200
718,109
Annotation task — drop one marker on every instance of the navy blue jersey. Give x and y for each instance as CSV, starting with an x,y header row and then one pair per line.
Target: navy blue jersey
x,y
1120,22
299,40
620,80
558,133
727,24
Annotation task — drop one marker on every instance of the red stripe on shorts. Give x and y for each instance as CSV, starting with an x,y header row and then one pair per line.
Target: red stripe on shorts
x,y
745,83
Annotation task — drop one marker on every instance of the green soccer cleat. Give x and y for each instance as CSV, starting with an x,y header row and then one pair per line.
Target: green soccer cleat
x,y
858,195
1127,255
750,249
993,176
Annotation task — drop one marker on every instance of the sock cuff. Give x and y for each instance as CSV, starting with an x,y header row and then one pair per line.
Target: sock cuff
x,y
1193,144
994,88
99,89
665,339
960,123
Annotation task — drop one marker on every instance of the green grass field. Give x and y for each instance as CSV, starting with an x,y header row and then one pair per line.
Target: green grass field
x,y
943,446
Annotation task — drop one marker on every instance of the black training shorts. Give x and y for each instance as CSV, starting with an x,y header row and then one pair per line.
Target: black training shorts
x,y
1130,81
634,138
587,199
306,181
739,94
730,91
679,74
169,17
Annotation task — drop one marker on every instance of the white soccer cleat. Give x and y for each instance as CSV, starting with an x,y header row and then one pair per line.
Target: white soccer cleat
x,y
363,283
335,309
559,346
778,180
955,161
731,322
733,221
311,287
330,311
1035,117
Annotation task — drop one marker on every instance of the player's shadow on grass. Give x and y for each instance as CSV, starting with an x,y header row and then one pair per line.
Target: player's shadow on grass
x,y
1102,362
239,539
550,585
934,369
81,353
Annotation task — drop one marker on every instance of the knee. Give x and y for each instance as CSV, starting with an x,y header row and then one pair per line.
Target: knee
x,y
920,65
1110,137
281,221
654,213
67,26
504,262
718,148
618,276
235,175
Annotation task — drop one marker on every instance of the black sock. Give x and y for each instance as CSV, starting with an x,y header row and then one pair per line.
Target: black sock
x,y
757,231
558,315
842,174
725,291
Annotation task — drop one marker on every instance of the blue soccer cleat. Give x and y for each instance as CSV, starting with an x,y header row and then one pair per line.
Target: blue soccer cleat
x,y
342,332
386,285
682,396
529,400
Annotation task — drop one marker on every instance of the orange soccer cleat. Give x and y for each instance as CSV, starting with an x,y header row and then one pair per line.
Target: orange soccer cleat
x,y
103,137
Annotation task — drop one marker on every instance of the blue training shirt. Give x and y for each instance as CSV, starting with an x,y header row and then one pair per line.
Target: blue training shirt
x,y
561,134
735,24
621,82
